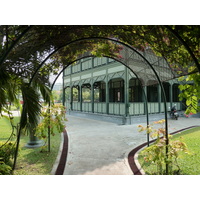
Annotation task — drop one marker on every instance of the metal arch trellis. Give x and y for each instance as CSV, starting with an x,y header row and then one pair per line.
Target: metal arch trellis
x,y
132,49
185,45
13,44
98,38
144,94
101,38
2,60
143,35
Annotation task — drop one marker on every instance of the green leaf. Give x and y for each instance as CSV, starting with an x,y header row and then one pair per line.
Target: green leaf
x,y
188,102
32,107
194,98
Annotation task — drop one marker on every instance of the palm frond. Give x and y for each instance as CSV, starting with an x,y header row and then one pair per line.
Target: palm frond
x,y
5,85
44,89
45,92
31,107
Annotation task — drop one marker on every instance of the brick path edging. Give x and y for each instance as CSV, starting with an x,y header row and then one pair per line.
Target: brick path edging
x,y
63,158
132,156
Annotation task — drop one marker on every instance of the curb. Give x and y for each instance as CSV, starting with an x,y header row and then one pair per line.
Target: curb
x,y
59,165
133,155
55,165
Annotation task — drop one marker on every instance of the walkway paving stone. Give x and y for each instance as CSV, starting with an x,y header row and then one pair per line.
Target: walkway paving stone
x,y
101,148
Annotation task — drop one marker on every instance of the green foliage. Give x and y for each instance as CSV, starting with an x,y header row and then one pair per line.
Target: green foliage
x,y
7,150
18,62
9,88
189,165
190,91
31,106
75,94
33,161
44,90
52,118
86,94
55,95
30,160
96,95
5,169
106,48
156,153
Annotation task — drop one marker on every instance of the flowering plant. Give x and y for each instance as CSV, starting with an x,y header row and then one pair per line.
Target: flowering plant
x,y
188,115
52,118
156,153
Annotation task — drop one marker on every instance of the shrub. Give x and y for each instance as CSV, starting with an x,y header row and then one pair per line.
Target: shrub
x,y
5,169
52,118
6,151
156,153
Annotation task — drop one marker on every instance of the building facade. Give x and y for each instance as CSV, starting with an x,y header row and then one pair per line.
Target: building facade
x,y
103,86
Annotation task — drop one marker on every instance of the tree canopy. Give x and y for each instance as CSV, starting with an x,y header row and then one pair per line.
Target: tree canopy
x,y
30,42
30,54
39,51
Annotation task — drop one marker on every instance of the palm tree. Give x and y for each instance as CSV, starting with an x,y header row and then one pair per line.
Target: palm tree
x,y
17,65
10,86
16,77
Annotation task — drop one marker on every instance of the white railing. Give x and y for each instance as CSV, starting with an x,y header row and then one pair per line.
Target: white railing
x,y
87,107
153,107
162,108
67,105
117,108
178,106
136,108
76,106
100,107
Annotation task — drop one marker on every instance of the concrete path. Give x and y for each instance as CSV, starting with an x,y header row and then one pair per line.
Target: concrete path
x,y
102,148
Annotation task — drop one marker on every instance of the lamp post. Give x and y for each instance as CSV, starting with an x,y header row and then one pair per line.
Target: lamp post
x,y
34,142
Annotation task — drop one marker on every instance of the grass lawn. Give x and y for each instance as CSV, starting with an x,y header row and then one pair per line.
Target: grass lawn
x,y
189,163
31,161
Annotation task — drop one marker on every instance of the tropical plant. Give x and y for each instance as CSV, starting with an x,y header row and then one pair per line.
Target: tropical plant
x,y
51,118
5,169
6,151
27,57
10,86
190,92
156,153
179,45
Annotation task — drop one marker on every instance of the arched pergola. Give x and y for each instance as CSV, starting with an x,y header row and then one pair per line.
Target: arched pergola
x,y
158,70
137,78
145,69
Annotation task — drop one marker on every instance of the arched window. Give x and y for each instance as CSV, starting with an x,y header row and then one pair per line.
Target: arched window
x,y
167,93
76,96
176,92
152,93
135,94
116,90
100,91
67,93
86,92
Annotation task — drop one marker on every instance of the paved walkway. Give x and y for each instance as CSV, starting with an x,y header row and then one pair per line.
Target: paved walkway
x,y
101,148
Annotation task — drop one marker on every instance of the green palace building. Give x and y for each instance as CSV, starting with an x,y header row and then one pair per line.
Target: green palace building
x,y
102,88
